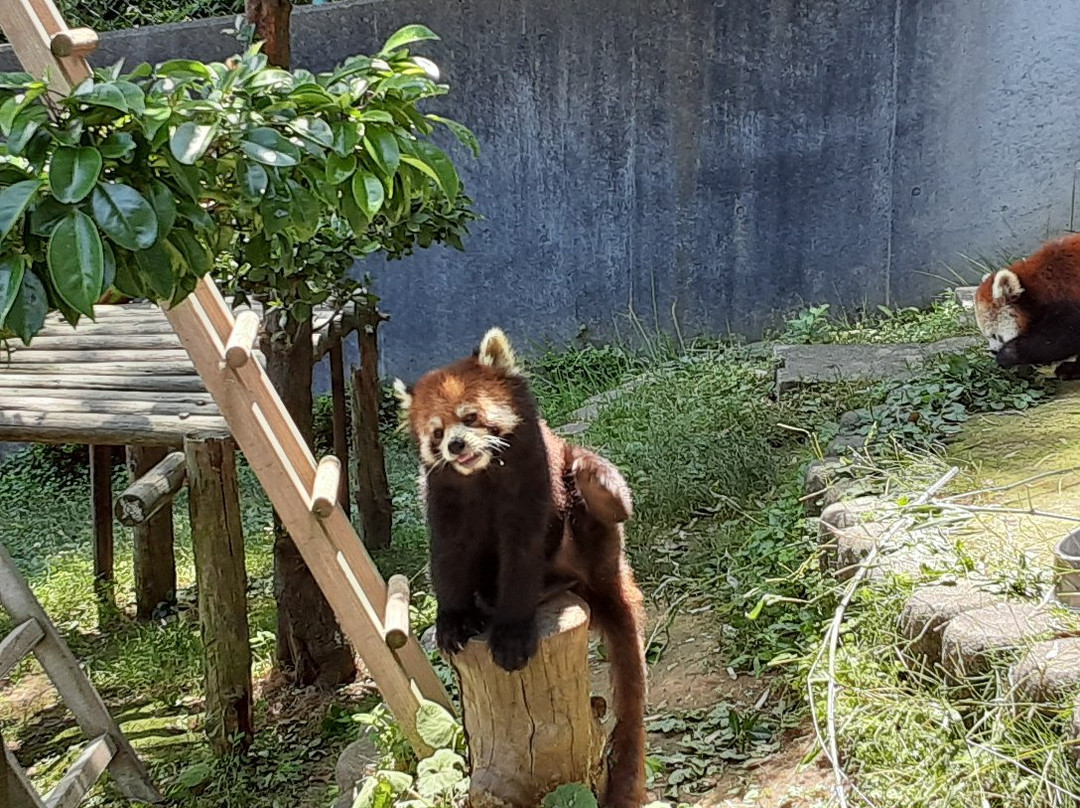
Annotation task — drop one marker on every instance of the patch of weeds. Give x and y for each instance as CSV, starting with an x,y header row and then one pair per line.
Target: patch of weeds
x,y
944,318
563,380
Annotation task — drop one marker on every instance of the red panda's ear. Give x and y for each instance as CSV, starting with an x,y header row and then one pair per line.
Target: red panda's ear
x,y
495,351
1007,287
403,394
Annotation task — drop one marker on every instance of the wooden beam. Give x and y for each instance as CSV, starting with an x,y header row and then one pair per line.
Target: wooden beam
x,y
96,381
71,683
83,774
145,506
16,645
15,789
74,42
218,542
118,405
101,490
341,416
96,429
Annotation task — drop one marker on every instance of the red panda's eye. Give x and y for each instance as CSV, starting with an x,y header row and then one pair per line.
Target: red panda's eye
x,y
469,419
437,434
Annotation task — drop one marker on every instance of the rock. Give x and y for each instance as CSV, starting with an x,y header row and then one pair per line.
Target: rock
x,y
852,419
845,444
816,364
845,548
1048,673
427,640
972,640
820,474
572,428
356,761
854,511
843,490
930,608
965,296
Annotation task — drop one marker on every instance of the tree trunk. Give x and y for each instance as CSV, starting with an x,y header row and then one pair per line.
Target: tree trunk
x,y
271,21
154,559
217,540
373,499
101,486
309,641
511,768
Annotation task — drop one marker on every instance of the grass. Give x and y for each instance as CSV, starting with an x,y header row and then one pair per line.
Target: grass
x,y
716,467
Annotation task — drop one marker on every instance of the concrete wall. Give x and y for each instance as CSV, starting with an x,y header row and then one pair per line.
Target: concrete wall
x,y
719,158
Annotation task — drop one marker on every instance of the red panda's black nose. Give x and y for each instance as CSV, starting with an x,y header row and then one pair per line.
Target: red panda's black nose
x,y
456,446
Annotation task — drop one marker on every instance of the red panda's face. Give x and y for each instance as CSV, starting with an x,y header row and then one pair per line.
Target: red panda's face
x,y
999,310
461,415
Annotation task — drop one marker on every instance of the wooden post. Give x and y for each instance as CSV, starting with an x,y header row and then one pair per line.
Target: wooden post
x,y
373,499
154,558
218,544
549,699
101,486
341,415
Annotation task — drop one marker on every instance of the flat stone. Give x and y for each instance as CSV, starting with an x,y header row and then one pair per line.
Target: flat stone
x,y
427,640
847,547
818,364
573,428
853,511
965,296
855,418
846,490
1048,673
930,608
972,640
845,444
357,760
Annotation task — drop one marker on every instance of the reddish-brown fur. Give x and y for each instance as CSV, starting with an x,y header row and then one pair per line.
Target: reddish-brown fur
x,y
1050,274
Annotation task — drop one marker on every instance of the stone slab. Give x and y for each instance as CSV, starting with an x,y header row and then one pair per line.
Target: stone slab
x,y
817,364
1048,673
358,760
819,476
930,608
972,640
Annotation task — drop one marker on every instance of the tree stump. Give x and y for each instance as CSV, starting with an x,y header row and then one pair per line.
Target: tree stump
x,y
154,557
535,729
218,543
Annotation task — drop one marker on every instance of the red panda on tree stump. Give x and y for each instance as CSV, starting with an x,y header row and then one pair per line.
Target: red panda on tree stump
x,y
1029,312
513,512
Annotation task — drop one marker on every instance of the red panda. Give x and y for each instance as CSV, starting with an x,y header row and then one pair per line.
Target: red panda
x,y
1029,312
514,511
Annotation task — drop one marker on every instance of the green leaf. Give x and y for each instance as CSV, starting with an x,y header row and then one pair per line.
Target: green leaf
x,y
379,790
153,119
338,168
27,316
435,726
101,95
127,280
382,145
193,252
12,268
74,172
571,795
155,265
13,202
440,775
184,69
190,141
406,36
124,215
25,126
164,204
269,147
117,146
434,162
346,136
133,96
368,193
45,215
253,180
77,262
463,133
314,129
108,276
186,177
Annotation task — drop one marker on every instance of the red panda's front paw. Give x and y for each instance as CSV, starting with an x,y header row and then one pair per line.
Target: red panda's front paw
x,y
454,628
602,488
513,643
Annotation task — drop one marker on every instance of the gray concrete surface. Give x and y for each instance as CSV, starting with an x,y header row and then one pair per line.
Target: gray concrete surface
x,y
722,160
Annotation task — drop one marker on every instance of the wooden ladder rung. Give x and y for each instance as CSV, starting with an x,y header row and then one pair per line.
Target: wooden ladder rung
x,y
69,792
396,617
18,644
242,339
324,493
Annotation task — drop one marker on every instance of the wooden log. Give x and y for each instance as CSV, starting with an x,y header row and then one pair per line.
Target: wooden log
x,y
51,340
16,645
83,774
194,402
242,340
165,383
146,506
218,545
396,619
341,416
74,42
324,494
512,767
177,367
373,500
158,475
101,488
102,406
74,354
93,428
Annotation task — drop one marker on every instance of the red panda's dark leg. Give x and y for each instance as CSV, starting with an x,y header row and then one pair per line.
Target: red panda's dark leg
x,y
454,578
521,526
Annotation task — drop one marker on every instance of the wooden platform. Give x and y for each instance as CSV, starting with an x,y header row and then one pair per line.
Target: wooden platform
x,y
122,379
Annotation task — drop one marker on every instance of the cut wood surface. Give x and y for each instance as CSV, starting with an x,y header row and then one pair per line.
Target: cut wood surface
x,y
511,768
153,490
122,378
145,506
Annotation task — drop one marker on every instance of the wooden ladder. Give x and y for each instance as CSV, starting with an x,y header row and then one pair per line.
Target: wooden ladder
x,y
108,748
305,495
